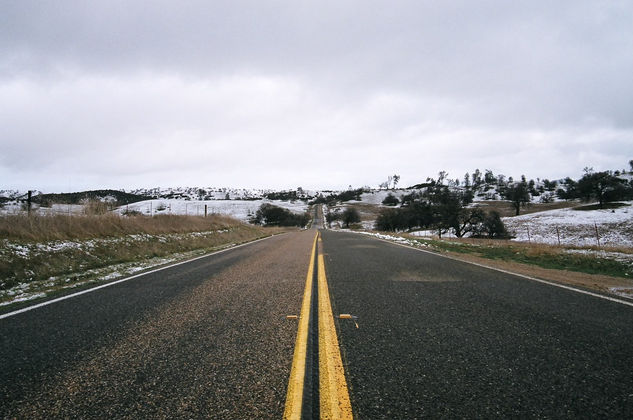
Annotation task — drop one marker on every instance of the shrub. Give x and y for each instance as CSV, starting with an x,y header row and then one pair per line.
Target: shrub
x,y
350,215
270,215
332,216
391,200
491,227
391,220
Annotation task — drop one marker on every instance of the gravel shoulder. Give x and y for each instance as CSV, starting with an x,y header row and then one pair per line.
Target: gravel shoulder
x,y
604,284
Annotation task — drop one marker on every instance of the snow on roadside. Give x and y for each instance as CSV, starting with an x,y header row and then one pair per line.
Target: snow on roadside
x,y
626,292
32,288
392,238
40,288
37,289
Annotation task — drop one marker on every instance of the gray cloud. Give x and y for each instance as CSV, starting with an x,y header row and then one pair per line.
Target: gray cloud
x,y
321,94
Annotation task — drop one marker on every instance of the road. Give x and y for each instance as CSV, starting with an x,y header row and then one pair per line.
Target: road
x,y
210,339
440,338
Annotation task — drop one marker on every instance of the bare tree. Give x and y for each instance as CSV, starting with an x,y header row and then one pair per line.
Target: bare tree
x,y
396,179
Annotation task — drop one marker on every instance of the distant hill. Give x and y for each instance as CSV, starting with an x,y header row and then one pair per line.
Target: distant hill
x,y
118,197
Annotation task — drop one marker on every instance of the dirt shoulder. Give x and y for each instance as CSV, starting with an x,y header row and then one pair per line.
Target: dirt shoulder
x,y
606,284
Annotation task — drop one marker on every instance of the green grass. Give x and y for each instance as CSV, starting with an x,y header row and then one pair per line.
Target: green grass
x,y
538,255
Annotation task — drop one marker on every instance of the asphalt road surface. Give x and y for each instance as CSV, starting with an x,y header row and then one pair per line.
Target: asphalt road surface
x,y
210,339
443,339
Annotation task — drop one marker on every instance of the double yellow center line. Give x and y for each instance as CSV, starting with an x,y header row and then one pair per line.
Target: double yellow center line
x,y
334,402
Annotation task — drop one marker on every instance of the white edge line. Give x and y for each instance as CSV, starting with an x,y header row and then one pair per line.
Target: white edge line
x,y
59,299
562,286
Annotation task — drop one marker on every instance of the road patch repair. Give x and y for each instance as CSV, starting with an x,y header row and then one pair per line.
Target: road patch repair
x,y
317,387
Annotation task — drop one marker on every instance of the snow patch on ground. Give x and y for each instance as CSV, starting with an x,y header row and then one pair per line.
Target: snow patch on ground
x,y
393,238
612,227
36,289
377,197
33,289
14,208
626,292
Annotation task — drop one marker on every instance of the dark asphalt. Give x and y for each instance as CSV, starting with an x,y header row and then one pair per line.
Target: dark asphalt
x,y
444,339
207,339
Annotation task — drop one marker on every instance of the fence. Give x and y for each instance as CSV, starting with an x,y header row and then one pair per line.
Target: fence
x,y
588,234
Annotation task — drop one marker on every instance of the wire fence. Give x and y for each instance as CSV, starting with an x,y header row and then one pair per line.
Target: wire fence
x,y
588,234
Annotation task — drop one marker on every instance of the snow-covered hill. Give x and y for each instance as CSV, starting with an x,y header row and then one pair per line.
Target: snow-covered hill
x,y
198,193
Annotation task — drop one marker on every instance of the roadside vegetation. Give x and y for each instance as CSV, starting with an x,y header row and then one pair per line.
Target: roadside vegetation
x,y
551,257
441,208
349,216
341,197
113,197
44,254
271,215
60,227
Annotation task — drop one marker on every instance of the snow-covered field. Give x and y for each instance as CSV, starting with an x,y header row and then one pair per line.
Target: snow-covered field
x,y
613,227
68,209
239,209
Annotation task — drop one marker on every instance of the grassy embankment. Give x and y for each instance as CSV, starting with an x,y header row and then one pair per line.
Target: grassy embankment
x,y
41,255
544,256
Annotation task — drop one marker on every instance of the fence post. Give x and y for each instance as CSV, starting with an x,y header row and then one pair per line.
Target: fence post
x,y
558,235
528,232
28,202
597,234
205,210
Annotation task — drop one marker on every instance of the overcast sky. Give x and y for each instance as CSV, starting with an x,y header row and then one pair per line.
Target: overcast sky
x,y
318,94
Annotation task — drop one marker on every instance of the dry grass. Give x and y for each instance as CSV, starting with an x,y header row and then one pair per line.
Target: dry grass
x,y
38,268
97,207
66,248
61,227
367,211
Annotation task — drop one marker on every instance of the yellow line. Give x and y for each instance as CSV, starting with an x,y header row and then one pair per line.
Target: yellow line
x,y
294,396
335,403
